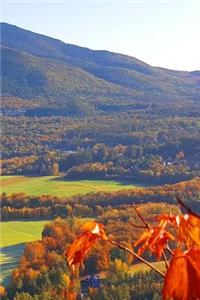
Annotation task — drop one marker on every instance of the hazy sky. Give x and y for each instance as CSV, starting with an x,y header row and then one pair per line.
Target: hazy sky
x,y
161,33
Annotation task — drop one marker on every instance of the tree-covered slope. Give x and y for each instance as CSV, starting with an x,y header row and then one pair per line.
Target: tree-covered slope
x,y
54,82
78,79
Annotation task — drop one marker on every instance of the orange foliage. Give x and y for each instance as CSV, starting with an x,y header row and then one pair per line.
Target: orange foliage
x,y
155,239
2,291
188,228
53,258
78,250
182,281
49,242
35,251
31,274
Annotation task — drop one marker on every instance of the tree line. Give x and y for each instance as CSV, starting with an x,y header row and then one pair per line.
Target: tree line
x,y
22,206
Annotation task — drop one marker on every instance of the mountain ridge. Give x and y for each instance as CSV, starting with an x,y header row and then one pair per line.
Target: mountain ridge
x,y
92,50
49,69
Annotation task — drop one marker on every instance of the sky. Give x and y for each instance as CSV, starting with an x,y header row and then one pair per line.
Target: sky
x,y
163,33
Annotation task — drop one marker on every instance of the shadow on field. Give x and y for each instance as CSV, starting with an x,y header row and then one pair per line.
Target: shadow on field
x,y
115,180
60,178
9,259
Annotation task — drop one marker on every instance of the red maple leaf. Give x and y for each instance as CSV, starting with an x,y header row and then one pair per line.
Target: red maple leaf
x,y
155,239
79,248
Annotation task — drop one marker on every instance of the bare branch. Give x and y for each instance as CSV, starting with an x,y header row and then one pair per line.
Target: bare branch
x,y
138,226
169,250
141,217
137,256
165,259
149,227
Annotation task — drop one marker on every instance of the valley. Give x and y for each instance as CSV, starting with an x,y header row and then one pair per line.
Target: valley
x,y
91,135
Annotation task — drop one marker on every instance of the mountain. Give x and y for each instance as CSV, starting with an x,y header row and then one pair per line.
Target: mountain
x,y
64,78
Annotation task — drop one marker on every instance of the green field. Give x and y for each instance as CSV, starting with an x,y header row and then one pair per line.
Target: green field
x,y
58,186
141,267
13,237
15,232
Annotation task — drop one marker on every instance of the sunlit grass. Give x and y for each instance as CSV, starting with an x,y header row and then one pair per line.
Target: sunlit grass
x,y
58,186
141,267
13,236
15,232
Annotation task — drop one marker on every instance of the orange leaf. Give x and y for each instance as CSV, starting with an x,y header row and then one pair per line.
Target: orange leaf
x,y
167,217
79,248
155,239
182,280
189,230
95,228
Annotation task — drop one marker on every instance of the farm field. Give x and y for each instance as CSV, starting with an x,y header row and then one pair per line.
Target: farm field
x,y
141,267
15,232
58,186
13,237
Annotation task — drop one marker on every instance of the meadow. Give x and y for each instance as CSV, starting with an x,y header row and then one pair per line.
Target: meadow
x,y
141,267
58,186
16,232
13,237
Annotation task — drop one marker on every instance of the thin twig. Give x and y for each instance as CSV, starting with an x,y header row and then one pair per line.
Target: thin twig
x,y
137,256
187,208
149,227
138,226
141,217
169,250
165,259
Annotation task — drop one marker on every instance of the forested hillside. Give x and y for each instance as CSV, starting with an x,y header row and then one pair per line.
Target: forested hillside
x,y
69,79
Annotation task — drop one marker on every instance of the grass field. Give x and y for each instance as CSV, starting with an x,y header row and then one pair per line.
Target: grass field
x,y
141,267
15,232
13,237
58,186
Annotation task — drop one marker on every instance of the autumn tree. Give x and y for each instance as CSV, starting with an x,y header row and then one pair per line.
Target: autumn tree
x,y
55,169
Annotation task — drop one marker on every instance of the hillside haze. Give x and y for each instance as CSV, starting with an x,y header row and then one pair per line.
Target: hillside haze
x,y
66,79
